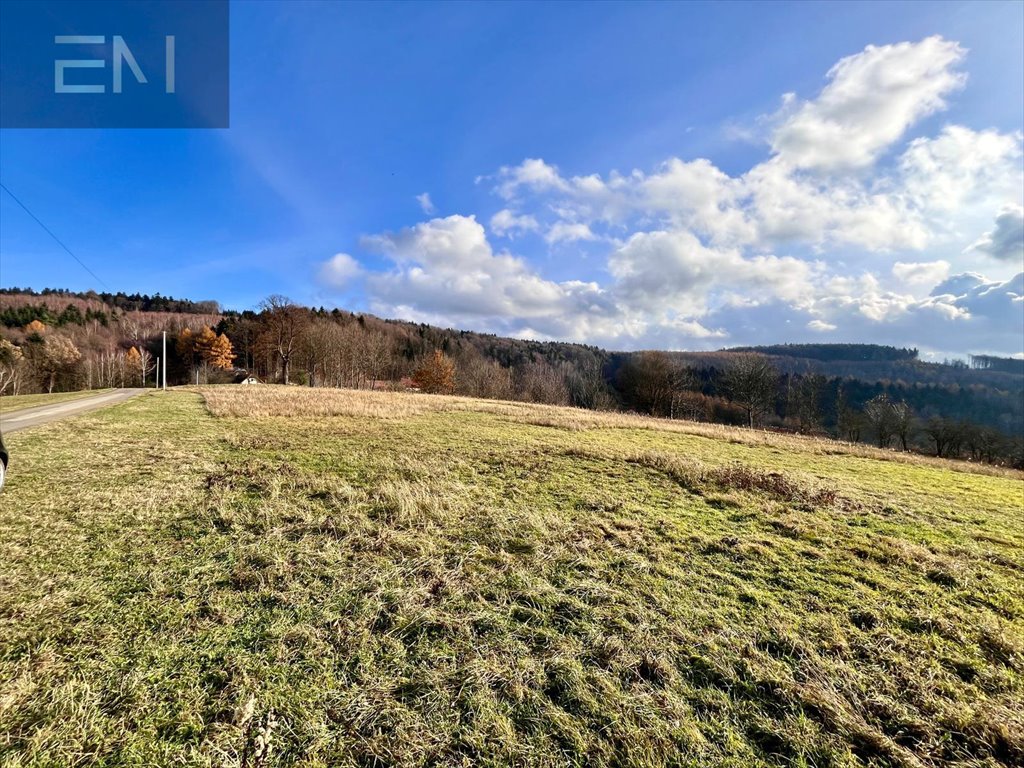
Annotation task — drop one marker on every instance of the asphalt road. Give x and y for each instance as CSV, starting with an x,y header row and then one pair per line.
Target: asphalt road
x,y
44,414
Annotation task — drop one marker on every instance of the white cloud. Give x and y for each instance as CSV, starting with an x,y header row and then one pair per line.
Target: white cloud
x,y
446,268
533,174
1006,241
507,223
675,271
961,167
426,203
927,273
567,232
339,271
835,235
870,101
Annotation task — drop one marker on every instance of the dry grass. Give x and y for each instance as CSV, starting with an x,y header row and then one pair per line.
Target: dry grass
x,y
298,402
370,579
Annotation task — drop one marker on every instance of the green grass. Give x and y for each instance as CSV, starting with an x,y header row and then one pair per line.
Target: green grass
x,y
17,402
382,580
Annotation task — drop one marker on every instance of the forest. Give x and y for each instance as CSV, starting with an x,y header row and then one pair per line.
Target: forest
x,y
56,340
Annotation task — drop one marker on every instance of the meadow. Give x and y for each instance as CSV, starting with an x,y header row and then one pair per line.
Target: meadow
x,y
279,576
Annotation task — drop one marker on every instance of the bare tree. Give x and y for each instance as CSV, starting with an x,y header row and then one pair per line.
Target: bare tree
x,y
805,401
52,358
11,366
903,422
752,383
283,323
376,356
479,377
146,363
882,418
539,382
654,383
940,431
586,384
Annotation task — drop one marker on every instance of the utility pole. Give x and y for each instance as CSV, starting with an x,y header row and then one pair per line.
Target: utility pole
x,y
165,361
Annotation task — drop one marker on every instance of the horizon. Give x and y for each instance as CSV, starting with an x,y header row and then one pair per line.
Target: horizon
x,y
660,176
28,290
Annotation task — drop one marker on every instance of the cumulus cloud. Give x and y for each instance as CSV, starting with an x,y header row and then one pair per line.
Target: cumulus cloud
x,y
1006,241
446,268
506,223
795,248
532,174
567,232
960,167
927,273
426,203
870,101
339,271
674,270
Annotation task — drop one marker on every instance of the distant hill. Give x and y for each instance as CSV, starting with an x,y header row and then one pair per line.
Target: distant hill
x,y
815,384
828,352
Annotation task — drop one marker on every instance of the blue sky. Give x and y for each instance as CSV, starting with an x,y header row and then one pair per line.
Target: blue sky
x,y
836,215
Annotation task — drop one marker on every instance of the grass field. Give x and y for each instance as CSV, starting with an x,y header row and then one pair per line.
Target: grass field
x,y
17,402
274,576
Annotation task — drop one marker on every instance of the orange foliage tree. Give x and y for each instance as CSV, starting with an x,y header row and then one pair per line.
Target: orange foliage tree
x,y
436,375
133,362
206,348
220,353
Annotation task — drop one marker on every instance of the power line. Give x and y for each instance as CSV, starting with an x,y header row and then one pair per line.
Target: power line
x,y
57,239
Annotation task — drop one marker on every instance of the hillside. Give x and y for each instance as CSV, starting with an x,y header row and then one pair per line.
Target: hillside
x,y
114,340
284,576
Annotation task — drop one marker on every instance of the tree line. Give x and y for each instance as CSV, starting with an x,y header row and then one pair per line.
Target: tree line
x,y
287,343
126,302
859,352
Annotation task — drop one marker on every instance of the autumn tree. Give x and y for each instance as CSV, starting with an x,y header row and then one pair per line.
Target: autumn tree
x,y
221,354
202,344
436,374
133,362
185,346
752,383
